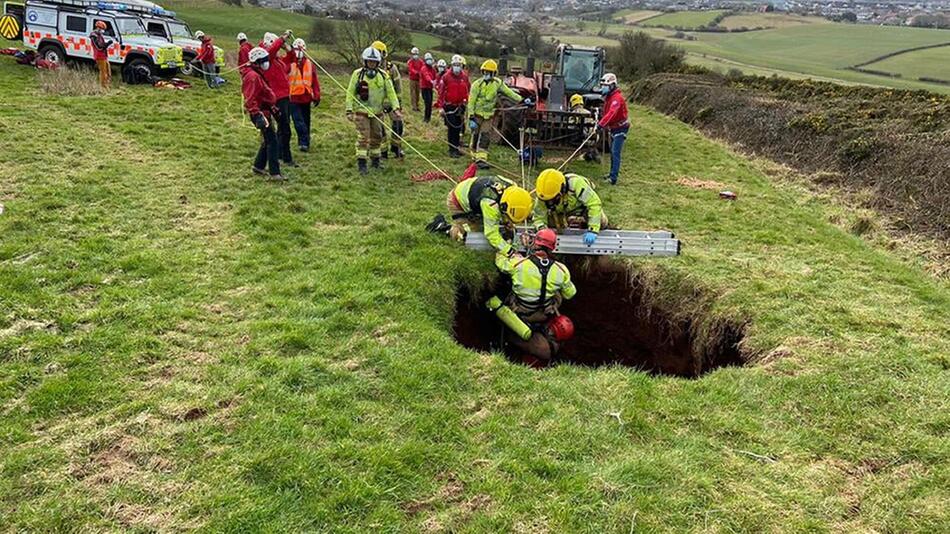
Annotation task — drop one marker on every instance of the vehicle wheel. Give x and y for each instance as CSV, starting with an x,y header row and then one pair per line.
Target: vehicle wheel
x,y
53,53
188,68
128,70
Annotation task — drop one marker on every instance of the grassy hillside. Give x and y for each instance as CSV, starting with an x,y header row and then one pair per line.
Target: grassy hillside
x,y
768,20
184,345
684,19
932,63
632,16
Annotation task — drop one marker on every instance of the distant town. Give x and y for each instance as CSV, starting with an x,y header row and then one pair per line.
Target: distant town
x,y
459,13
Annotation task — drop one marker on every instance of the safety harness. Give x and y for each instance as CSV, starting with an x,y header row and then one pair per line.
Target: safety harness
x,y
544,267
484,187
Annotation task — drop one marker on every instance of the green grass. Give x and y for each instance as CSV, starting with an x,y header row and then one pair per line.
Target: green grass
x,y
932,63
632,16
684,19
584,40
769,20
183,345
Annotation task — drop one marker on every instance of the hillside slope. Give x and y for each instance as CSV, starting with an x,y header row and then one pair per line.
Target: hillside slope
x,y
184,345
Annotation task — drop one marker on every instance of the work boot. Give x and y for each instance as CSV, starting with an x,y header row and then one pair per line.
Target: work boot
x,y
304,148
384,154
481,164
290,164
361,165
262,172
277,178
377,164
398,153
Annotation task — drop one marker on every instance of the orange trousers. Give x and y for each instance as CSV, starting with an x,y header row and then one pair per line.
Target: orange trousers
x,y
105,72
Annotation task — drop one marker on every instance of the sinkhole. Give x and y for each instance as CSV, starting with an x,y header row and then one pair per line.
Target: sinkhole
x,y
620,318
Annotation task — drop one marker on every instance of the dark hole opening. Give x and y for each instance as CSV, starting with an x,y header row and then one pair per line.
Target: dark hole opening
x,y
613,326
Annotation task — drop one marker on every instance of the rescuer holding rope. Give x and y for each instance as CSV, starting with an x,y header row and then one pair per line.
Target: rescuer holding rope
x,y
453,97
304,93
369,89
482,101
259,102
614,121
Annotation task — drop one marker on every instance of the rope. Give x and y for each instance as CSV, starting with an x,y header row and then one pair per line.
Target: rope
x,y
386,126
521,156
223,72
572,156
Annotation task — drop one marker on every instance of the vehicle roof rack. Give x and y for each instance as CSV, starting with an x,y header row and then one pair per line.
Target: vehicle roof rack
x,y
137,6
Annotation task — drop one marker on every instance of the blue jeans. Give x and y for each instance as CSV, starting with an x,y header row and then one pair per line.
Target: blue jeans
x,y
617,139
301,115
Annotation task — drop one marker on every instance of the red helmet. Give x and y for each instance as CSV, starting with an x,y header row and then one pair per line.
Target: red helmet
x,y
100,25
561,327
546,239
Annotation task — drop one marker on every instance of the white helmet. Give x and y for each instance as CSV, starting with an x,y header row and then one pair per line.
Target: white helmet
x,y
242,37
609,79
199,34
427,56
371,54
441,63
458,60
257,54
299,44
269,39
414,50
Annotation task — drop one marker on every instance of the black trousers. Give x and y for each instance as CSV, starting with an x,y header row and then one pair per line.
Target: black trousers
x,y
267,154
455,123
283,130
427,98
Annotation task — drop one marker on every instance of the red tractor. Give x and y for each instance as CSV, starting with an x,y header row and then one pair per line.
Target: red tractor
x,y
551,122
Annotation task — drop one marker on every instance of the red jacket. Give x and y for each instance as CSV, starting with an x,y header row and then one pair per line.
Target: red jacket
x,y
276,75
414,66
455,88
100,45
615,111
258,97
206,52
305,98
244,52
427,77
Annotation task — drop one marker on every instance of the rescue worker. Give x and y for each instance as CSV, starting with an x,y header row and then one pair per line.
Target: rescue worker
x,y
259,102
539,284
569,201
481,107
396,125
100,52
453,97
490,203
244,48
205,59
427,85
279,83
369,89
304,92
440,68
577,106
414,67
614,121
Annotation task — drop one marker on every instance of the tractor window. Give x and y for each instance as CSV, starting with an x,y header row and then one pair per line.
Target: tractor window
x,y
76,24
581,72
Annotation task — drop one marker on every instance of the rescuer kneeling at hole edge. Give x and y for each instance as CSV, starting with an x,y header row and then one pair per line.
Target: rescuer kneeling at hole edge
x,y
539,285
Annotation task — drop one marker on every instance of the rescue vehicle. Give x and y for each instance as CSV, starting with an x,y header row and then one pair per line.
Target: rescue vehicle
x,y
175,30
59,31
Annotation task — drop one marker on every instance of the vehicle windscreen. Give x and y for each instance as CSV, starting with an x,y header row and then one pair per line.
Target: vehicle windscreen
x,y
179,30
129,26
581,71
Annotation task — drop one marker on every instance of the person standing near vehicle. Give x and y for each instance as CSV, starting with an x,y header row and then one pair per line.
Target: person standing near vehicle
x,y
259,103
453,97
100,52
369,89
482,101
304,93
279,83
426,85
614,121
206,59
414,66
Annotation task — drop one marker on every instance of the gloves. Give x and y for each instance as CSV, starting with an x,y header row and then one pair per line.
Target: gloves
x,y
527,101
316,102
589,238
397,114
472,125
260,121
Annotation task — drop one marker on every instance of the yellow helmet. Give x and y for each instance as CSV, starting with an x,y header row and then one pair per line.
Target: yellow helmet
x,y
516,203
550,184
381,46
490,66
577,100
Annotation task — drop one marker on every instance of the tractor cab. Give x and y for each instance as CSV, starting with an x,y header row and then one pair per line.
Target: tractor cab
x,y
578,70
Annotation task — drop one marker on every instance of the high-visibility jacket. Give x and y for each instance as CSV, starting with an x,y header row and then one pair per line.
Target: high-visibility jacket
x,y
579,199
615,111
304,83
379,89
482,96
479,198
536,280
393,71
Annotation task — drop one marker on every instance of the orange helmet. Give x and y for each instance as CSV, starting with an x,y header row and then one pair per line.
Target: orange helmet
x,y
546,239
100,25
